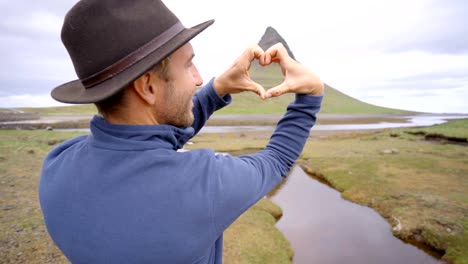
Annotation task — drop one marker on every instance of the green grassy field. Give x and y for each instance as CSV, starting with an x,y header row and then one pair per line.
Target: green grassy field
x,y
455,128
23,238
253,238
85,109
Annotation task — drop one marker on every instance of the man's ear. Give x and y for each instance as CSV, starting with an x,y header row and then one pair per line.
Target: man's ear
x,y
145,88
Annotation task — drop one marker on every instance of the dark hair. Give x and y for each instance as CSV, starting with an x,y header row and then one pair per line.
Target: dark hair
x,y
110,104
162,69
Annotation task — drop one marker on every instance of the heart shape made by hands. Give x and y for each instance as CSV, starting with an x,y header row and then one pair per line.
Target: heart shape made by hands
x,y
297,78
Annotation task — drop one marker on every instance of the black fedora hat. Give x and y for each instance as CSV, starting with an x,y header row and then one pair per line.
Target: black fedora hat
x,y
113,42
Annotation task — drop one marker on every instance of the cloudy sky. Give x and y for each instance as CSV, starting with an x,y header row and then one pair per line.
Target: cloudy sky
x,y
396,53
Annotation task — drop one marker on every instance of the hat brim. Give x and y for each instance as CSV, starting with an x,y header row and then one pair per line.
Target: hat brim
x,y
75,93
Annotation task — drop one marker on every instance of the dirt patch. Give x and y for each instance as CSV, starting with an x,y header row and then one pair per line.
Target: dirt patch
x,y
443,139
9,116
46,125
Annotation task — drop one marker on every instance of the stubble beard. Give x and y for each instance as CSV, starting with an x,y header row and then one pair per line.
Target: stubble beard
x,y
179,110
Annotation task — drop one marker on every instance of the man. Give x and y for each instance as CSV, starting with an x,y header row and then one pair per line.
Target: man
x,y
124,194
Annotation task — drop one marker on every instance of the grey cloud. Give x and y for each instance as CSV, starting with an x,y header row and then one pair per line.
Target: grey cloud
x,y
33,57
25,7
460,74
452,80
410,93
24,86
450,40
24,58
417,85
16,48
444,30
23,17
26,79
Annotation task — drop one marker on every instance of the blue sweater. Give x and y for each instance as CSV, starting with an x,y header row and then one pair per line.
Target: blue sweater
x,y
124,194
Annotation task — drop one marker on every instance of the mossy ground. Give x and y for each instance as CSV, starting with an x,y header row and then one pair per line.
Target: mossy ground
x,y
23,237
253,238
423,184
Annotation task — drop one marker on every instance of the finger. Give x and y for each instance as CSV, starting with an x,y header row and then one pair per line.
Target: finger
x,y
277,90
251,53
279,55
277,51
258,89
255,52
265,59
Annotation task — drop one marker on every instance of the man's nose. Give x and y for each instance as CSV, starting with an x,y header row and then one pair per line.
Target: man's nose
x,y
197,77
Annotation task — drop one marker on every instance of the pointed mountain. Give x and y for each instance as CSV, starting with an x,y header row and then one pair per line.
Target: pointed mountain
x,y
271,37
335,102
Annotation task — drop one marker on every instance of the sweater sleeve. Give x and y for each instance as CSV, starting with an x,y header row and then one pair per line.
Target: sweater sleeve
x,y
241,181
205,102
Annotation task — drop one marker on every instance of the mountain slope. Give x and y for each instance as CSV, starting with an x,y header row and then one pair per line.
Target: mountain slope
x,y
271,37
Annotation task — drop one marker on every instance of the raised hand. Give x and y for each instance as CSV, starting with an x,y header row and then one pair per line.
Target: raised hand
x,y
236,79
297,78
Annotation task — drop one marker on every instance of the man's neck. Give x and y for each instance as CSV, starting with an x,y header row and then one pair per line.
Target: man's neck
x,y
132,117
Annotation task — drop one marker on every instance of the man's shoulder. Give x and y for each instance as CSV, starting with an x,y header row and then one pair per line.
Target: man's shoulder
x,y
194,153
73,141
201,156
67,144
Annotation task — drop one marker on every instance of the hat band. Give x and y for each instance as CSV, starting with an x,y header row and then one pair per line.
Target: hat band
x,y
133,57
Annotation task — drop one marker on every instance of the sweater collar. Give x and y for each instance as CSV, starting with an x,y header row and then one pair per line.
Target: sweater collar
x,y
137,137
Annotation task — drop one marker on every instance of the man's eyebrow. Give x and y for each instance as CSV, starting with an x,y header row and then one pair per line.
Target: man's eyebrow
x,y
191,58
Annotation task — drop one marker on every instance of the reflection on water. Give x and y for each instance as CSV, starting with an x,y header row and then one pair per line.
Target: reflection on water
x,y
228,129
324,228
413,121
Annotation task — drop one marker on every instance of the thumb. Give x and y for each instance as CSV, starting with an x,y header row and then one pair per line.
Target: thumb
x,y
258,89
277,90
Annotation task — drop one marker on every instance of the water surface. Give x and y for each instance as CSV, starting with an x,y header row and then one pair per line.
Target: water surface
x,y
413,121
324,228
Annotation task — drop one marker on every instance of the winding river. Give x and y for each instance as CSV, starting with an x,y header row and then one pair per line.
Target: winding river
x,y
324,228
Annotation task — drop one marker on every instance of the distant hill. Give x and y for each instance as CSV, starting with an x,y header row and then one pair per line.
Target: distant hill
x,y
85,109
335,102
